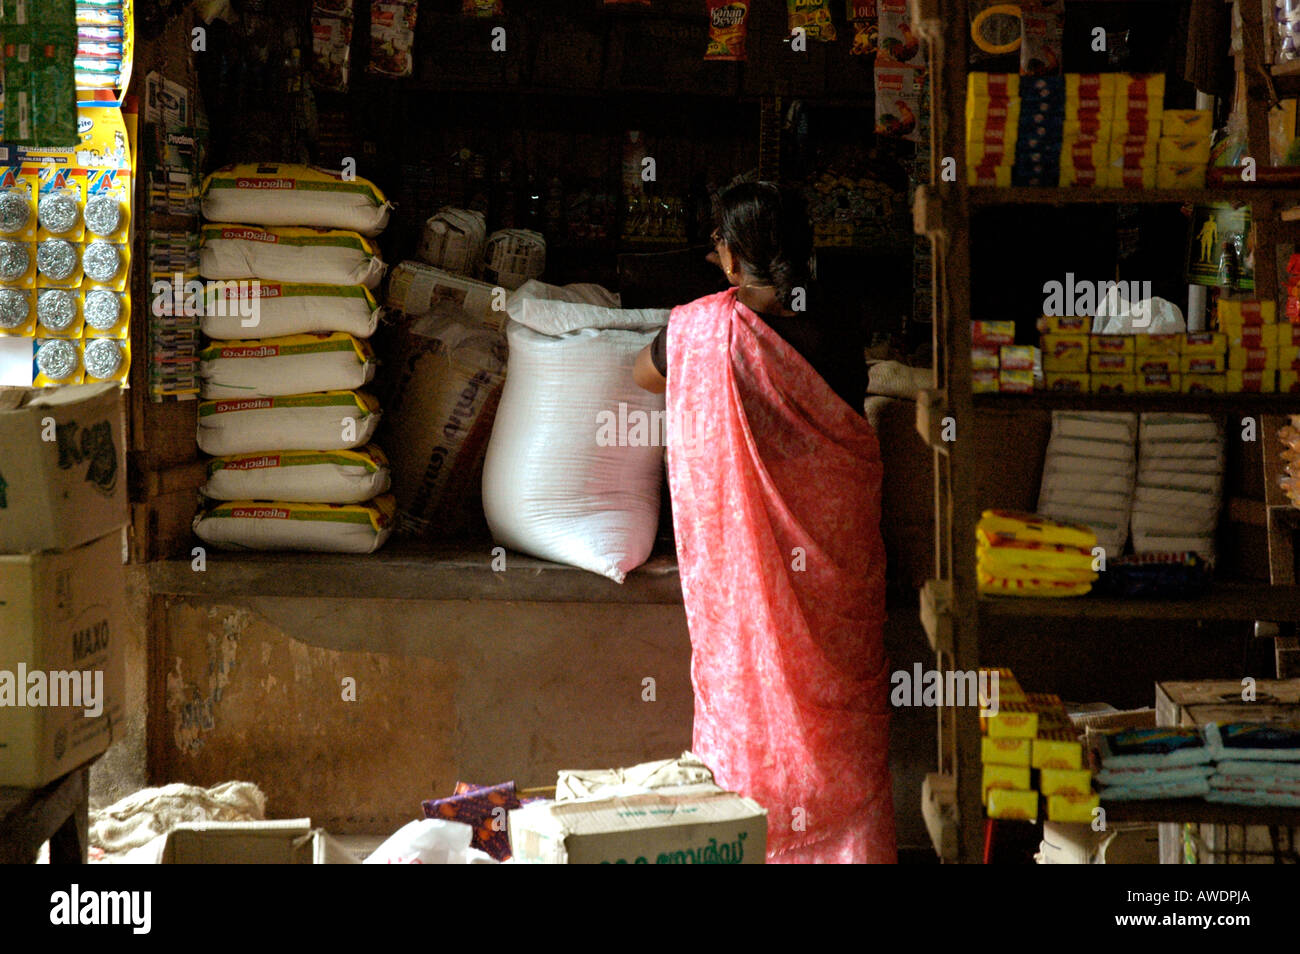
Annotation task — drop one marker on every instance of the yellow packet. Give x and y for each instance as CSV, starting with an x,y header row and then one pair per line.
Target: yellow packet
x,y
1068,382
1072,808
1204,384
1010,803
1065,782
1057,749
1013,526
1003,751
1004,776
1252,382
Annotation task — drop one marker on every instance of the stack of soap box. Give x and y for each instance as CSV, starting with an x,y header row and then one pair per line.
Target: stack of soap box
x,y
1040,129
1263,356
987,340
1179,484
1184,149
1088,473
1031,733
1138,107
992,119
1089,115
1204,362
1066,350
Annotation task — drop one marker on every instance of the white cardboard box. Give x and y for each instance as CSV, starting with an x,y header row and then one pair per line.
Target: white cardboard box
x,y
62,466
669,826
63,613
282,842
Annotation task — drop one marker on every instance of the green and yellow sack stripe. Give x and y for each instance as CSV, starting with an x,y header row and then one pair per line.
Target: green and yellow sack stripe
x,y
369,457
288,346
287,290
378,513
294,237
360,400
305,179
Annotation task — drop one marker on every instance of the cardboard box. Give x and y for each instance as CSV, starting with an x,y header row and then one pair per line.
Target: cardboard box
x,y
61,613
419,289
62,466
674,826
285,842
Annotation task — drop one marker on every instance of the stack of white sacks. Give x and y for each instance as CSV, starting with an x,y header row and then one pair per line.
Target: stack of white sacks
x,y
283,413
1179,484
1088,474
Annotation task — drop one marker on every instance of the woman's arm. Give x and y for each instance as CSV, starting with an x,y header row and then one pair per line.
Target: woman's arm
x,y
646,375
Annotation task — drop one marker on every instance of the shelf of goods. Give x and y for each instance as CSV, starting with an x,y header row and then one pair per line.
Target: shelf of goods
x,y
951,608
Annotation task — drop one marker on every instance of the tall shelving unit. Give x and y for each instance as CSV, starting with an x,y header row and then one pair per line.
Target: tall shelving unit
x,y
952,611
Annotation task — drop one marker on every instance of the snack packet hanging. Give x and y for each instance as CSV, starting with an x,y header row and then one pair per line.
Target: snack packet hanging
x,y
813,17
482,8
728,29
866,26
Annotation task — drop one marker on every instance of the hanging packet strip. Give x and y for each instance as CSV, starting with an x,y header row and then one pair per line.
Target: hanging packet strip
x,y
866,26
813,17
728,29
392,38
482,8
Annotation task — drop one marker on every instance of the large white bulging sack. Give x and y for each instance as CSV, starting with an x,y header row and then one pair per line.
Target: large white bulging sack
x,y
304,256
281,525
290,194
234,310
297,364
554,486
307,476
439,409
332,420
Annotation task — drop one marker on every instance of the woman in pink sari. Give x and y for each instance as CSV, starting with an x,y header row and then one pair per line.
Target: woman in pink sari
x,y
776,508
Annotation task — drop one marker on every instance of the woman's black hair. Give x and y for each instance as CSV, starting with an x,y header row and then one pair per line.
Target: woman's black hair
x,y
766,227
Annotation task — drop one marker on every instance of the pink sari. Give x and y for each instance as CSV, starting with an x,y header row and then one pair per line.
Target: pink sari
x,y
775,487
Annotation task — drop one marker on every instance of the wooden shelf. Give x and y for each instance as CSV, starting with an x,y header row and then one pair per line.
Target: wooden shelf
x,y
412,571
1225,601
1251,404
1074,195
1199,811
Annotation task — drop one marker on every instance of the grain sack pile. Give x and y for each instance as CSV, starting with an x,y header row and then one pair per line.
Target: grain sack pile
x,y
288,305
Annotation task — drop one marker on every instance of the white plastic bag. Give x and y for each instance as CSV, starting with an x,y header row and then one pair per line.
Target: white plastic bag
x,y
429,841
575,464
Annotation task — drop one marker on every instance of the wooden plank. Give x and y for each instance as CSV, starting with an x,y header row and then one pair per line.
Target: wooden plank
x,y
29,818
1246,404
939,810
1198,811
412,571
936,614
1253,513
1225,601
1074,195
156,726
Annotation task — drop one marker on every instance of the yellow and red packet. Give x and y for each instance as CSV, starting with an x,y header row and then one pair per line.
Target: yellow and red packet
x,y
866,26
728,29
813,17
482,8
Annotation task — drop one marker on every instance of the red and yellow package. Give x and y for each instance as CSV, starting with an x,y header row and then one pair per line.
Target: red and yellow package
x,y
813,17
728,28
482,8
866,26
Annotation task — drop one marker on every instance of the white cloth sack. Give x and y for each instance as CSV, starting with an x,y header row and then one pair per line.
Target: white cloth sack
x,y
549,488
307,476
290,309
292,194
333,420
303,256
284,525
297,364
